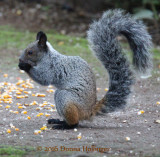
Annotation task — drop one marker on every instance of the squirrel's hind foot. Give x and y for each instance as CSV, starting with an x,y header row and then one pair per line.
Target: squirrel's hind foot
x,y
64,126
61,125
55,121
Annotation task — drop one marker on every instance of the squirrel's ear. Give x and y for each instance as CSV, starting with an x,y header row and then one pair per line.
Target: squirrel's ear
x,y
39,34
42,39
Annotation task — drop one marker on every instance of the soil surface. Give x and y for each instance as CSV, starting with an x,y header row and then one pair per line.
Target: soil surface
x,y
122,133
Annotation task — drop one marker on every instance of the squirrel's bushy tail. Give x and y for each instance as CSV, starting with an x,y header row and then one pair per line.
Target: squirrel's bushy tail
x,y
102,38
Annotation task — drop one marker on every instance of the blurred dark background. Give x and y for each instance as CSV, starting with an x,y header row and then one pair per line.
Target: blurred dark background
x,y
74,16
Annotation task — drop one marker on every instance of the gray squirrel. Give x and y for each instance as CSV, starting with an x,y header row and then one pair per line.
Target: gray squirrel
x,y
75,97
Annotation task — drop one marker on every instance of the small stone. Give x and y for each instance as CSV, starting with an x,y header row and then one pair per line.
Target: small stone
x,y
128,138
138,133
75,130
157,121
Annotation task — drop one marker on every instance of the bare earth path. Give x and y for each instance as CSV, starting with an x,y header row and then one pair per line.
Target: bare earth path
x,y
125,132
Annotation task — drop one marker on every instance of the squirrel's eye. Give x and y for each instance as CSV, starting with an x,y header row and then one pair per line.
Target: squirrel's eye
x,y
30,52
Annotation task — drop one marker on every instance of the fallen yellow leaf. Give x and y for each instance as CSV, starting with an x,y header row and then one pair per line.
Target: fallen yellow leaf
x,y
60,43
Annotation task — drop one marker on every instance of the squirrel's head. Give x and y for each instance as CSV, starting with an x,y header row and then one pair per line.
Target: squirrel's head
x,y
34,52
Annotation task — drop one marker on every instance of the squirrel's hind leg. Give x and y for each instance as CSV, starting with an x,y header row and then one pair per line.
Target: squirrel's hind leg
x,y
71,116
67,108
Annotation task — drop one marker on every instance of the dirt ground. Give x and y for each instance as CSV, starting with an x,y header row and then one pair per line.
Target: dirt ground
x,y
109,131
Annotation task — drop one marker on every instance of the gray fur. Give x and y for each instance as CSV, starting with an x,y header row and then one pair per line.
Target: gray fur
x,y
102,38
72,76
